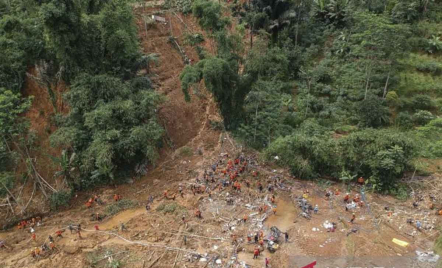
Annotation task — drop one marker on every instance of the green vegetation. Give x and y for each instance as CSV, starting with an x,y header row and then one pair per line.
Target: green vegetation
x,y
186,151
331,87
93,47
60,199
172,208
335,88
438,245
121,205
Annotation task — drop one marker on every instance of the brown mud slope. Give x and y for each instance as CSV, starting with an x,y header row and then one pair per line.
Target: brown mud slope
x,y
182,120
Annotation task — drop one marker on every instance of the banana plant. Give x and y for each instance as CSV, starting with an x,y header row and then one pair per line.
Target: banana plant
x,y
66,164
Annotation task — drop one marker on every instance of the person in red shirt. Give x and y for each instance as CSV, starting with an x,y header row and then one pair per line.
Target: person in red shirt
x,y
33,236
256,253
346,198
59,233
198,214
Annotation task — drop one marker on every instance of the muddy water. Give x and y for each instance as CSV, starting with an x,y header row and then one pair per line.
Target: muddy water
x,y
285,215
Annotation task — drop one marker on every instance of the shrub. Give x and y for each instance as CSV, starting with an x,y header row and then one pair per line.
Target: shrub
x,y
392,99
422,102
422,117
209,15
432,67
186,151
436,149
172,208
116,207
381,155
307,156
373,112
194,39
401,192
434,44
184,6
404,120
60,199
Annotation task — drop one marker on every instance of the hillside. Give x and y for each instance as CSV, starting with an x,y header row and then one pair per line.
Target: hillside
x,y
308,100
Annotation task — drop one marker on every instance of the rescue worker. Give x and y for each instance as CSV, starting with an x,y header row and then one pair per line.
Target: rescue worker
x,y
260,188
353,217
198,214
346,197
245,218
418,225
59,233
180,189
415,204
34,237
256,253
316,209
122,227
37,251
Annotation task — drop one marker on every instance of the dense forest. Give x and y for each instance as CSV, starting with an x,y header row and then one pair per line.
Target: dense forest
x,y
335,88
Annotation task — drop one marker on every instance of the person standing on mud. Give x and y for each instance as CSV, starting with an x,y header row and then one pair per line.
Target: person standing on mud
x,y
353,217
256,253
286,235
